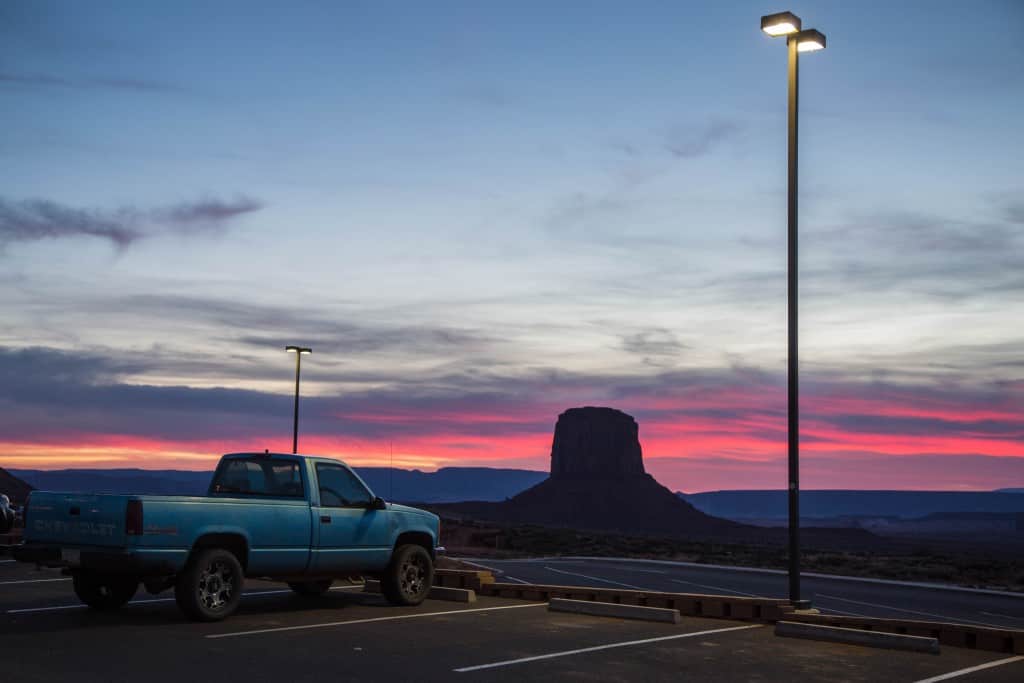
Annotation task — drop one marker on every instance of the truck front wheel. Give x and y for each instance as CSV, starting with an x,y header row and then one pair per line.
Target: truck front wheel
x,y
104,592
210,586
409,576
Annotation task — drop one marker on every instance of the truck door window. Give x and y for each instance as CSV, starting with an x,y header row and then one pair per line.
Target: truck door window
x,y
340,488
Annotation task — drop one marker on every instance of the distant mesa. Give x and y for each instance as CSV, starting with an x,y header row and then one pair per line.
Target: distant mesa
x,y
595,443
598,482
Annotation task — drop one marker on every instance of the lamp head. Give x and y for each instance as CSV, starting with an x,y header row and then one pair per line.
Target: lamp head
x,y
780,24
809,40
298,349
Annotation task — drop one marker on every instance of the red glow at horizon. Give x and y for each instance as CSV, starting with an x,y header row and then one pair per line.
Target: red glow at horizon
x,y
672,431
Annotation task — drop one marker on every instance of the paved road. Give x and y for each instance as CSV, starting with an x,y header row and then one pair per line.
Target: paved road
x,y
46,635
830,595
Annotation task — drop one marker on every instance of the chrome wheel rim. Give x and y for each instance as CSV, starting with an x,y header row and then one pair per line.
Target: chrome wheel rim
x,y
216,585
413,575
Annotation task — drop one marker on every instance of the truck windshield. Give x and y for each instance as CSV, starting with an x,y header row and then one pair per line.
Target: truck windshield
x,y
258,476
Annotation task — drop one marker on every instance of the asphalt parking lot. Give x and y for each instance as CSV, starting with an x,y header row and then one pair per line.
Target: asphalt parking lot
x,y
46,635
836,595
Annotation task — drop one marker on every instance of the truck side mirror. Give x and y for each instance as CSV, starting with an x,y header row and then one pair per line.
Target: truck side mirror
x,y
378,504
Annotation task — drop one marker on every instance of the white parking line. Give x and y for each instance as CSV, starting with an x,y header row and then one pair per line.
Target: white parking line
x,y
969,670
11,583
512,578
54,608
596,578
715,588
628,643
7,561
367,621
944,617
1001,616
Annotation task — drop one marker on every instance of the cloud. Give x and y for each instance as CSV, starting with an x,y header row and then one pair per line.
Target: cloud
x,y
1015,213
687,143
192,217
653,342
41,80
32,220
39,219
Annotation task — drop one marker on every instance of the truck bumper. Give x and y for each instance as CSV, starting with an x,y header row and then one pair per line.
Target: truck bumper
x,y
110,561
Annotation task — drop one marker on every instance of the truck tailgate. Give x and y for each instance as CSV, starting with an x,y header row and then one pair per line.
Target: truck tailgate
x,y
76,519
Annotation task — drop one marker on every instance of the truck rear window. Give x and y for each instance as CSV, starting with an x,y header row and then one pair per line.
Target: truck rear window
x,y
259,477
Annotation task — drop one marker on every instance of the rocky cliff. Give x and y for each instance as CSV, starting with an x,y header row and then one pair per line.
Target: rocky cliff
x,y
595,443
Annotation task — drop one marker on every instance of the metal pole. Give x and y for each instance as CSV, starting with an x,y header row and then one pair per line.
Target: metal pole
x,y
295,422
793,361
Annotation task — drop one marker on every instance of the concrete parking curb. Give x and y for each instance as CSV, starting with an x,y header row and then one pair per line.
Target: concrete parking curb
x,y
453,594
436,592
767,610
611,609
967,636
850,636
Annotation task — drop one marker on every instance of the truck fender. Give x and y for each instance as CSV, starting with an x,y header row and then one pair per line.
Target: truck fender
x,y
235,539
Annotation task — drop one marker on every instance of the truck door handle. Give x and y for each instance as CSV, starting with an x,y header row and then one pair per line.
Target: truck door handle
x,y
75,511
325,519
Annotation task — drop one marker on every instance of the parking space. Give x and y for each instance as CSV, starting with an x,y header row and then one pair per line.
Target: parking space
x,y
350,635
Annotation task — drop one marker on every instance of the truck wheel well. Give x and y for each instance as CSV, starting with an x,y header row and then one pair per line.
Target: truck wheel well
x,y
420,538
233,543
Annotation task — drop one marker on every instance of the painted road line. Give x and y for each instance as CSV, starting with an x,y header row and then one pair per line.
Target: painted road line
x,y
11,583
147,601
715,588
759,570
397,617
944,617
499,572
596,648
596,578
843,612
481,566
7,561
1002,616
970,670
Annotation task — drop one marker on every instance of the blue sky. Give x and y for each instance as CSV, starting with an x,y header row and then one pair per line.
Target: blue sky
x,y
528,206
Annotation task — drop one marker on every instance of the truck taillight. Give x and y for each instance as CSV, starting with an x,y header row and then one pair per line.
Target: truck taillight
x,y
133,518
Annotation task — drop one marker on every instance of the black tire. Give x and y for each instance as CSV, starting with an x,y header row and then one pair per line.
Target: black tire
x,y
210,586
104,592
409,576
311,589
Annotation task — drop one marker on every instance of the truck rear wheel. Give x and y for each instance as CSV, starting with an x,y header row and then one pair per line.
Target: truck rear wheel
x,y
409,575
311,589
104,592
210,586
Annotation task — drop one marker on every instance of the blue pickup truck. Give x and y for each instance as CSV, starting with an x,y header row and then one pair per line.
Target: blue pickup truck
x,y
299,519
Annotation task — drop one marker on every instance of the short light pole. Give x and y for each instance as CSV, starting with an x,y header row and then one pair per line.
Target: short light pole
x,y
299,352
797,41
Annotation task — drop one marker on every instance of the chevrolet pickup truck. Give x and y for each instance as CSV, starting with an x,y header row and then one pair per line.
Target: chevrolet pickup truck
x,y
299,519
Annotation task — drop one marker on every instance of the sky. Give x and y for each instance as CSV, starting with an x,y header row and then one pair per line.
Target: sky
x,y
481,214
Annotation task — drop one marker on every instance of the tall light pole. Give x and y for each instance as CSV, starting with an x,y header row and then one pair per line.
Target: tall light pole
x,y
797,41
299,352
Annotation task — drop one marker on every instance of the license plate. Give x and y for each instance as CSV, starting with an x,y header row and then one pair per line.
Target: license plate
x,y
71,556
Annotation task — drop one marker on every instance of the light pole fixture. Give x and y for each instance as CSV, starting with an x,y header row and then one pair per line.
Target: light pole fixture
x,y
299,352
797,40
